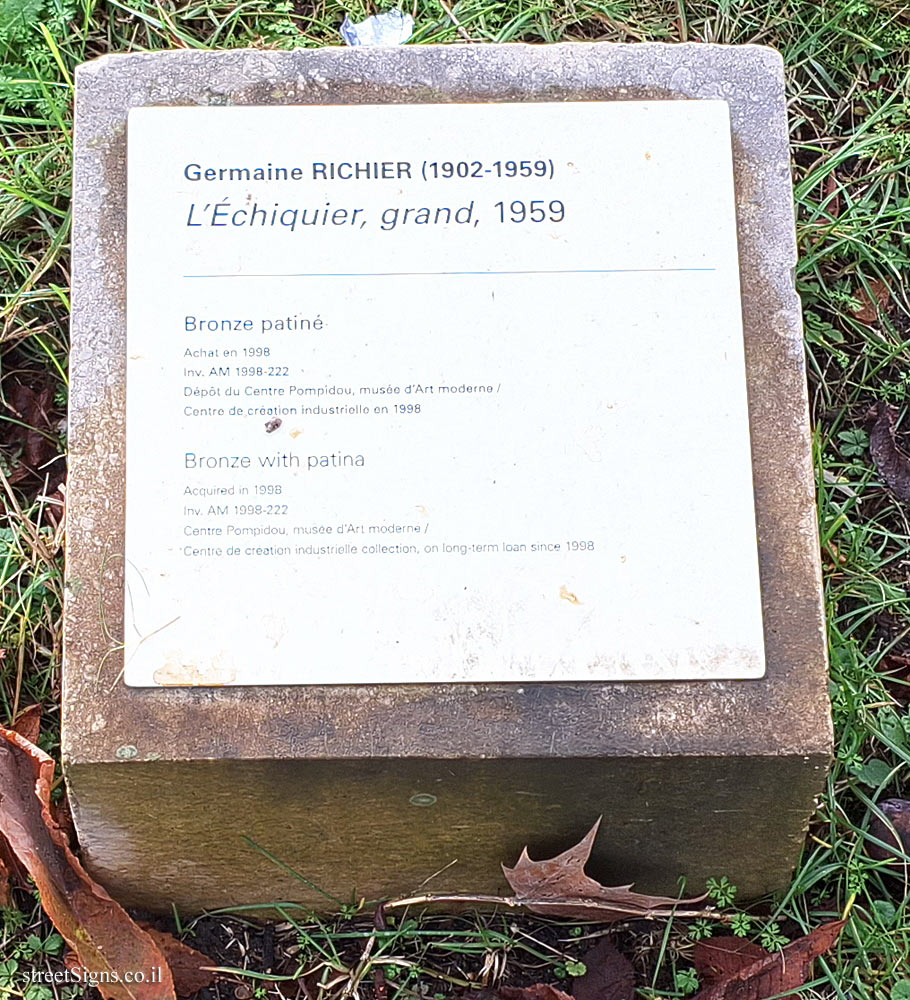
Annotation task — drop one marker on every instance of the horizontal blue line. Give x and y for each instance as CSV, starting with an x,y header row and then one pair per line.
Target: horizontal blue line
x,y
434,274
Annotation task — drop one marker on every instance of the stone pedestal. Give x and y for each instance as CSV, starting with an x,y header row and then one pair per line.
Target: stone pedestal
x,y
368,791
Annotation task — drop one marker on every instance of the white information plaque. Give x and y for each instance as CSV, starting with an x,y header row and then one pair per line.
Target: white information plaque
x,y
436,393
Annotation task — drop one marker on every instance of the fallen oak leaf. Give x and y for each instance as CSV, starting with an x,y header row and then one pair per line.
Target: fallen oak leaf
x,y
715,958
778,973
891,461
190,968
105,940
609,974
559,887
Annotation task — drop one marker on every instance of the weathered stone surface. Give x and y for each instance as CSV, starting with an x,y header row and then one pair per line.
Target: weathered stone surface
x,y
694,779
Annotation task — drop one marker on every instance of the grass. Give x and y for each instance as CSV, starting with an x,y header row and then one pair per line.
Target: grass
x,y
849,95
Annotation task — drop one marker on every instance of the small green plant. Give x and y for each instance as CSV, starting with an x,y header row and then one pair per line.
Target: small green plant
x,y
27,61
11,919
38,991
771,938
853,442
885,912
685,981
34,945
857,877
8,970
741,924
722,891
873,772
575,969
701,929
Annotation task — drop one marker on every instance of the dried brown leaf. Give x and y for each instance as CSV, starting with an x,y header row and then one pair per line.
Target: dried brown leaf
x,y
834,205
559,887
6,877
609,975
104,938
539,991
186,964
32,433
895,832
872,302
782,972
890,459
28,723
715,958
